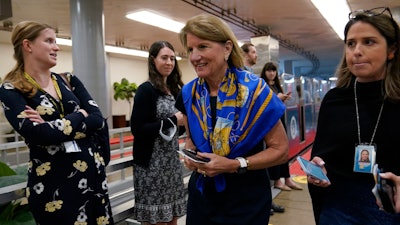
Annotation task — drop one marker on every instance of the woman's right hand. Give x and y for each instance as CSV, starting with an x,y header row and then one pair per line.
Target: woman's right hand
x,y
396,181
33,115
283,97
317,182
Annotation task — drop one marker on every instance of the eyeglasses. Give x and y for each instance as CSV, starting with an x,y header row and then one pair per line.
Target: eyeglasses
x,y
371,12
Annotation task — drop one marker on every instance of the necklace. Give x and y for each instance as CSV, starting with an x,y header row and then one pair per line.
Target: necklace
x,y
358,116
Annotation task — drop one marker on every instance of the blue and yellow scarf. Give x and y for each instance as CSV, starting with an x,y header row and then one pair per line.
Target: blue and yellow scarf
x,y
246,110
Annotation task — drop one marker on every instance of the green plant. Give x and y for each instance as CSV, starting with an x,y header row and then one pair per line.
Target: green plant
x,y
15,212
124,90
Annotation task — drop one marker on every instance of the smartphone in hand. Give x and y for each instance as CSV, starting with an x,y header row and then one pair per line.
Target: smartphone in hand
x,y
311,169
190,154
386,193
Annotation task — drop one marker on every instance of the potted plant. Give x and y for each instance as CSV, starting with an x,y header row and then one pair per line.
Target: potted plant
x,y
15,212
123,90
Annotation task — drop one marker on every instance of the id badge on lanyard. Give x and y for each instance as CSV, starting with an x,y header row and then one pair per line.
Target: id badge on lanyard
x,y
364,158
71,146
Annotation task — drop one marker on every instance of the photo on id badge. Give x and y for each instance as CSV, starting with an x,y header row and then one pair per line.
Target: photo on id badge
x,y
364,158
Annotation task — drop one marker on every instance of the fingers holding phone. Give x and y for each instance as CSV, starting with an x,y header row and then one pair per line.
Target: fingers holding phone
x,y
388,185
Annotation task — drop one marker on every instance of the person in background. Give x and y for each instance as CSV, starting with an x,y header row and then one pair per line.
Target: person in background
x,y
250,56
233,187
362,112
159,190
270,75
66,172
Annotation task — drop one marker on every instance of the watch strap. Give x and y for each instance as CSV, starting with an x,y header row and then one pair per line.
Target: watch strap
x,y
242,161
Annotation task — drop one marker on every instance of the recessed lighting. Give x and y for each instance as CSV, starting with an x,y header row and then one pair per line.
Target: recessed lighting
x,y
156,20
335,13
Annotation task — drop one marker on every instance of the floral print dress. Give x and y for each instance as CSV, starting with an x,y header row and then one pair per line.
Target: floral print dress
x,y
159,190
63,187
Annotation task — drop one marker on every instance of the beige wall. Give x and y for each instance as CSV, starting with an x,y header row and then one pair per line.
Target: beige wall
x,y
132,68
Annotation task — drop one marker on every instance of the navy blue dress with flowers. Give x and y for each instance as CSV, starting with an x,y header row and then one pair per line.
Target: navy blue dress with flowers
x,y
63,188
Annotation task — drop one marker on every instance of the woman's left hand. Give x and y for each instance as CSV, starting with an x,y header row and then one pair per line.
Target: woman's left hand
x,y
396,181
216,165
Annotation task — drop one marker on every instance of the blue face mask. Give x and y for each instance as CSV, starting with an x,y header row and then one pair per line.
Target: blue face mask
x,y
170,132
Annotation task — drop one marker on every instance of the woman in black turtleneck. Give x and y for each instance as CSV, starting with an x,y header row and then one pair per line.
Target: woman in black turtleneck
x,y
363,111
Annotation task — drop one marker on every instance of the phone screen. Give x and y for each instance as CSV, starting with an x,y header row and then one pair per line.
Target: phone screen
x,y
311,169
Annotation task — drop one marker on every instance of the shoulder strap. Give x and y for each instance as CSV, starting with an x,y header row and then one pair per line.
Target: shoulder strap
x,y
66,77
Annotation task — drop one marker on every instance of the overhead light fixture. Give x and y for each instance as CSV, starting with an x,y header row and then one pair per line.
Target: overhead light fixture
x,y
335,13
65,42
113,49
156,20
126,51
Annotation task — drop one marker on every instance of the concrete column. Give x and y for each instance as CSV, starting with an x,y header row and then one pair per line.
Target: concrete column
x,y
267,51
88,55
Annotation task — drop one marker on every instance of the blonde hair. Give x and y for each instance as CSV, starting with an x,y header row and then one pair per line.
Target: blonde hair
x,y
26,30
212,28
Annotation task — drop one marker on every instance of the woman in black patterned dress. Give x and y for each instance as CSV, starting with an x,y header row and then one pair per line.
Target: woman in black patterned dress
x,y
159,190
66,178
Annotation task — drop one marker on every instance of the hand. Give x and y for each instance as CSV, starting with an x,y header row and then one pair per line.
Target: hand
x,y
179,118
396,182
317,182
33,115
85,114
217,164
283,97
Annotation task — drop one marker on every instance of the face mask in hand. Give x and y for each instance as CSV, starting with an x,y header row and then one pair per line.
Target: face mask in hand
x,y
169,133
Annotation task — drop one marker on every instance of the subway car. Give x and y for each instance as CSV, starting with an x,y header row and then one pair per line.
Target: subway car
x,y
302,109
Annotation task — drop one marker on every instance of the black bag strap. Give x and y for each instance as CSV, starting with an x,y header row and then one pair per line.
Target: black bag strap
x,y
67,78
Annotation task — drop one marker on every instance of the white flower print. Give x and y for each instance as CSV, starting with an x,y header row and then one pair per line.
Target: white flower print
x,y
93,103
63,125
8,86
53,149
46,102
59,124
104,184
82,217
82,183
38,188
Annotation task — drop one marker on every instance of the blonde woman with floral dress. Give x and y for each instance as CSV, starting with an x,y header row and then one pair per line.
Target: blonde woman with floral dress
x,y
66,177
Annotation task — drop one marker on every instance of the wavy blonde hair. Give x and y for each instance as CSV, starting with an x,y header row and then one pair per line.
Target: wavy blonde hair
x,y
26,30
212,28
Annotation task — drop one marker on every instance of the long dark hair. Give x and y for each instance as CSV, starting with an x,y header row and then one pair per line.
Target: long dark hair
x,y
277,82
174,80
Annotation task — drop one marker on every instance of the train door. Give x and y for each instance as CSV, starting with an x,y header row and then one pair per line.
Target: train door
x,y
292,113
